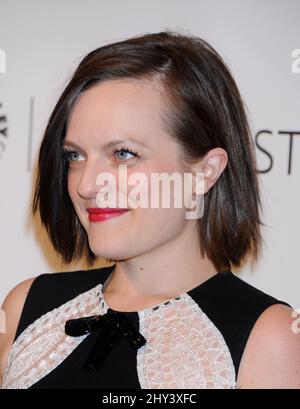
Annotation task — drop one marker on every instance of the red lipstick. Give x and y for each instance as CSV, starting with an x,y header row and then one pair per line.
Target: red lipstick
x,y
98,214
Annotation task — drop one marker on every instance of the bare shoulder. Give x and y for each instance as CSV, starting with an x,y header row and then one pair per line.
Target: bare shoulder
x,y
12,307
271,358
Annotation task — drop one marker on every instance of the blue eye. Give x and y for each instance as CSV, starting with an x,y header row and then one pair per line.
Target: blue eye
x,y
120,153
122,150
71,156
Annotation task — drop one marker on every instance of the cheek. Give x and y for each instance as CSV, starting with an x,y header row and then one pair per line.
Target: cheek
x,y
157,222
72,185
152,228
162,191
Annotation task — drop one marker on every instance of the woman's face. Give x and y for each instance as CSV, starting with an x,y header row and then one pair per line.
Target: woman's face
x,y
127,111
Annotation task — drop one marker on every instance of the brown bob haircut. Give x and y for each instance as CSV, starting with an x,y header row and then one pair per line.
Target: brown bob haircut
x,y
205,110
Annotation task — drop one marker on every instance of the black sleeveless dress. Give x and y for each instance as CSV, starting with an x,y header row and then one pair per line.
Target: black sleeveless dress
x,y
195,340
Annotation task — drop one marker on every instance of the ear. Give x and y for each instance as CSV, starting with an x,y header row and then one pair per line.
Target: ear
x,y
209,169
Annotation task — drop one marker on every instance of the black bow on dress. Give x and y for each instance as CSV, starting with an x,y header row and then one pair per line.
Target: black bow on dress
x,y
113,325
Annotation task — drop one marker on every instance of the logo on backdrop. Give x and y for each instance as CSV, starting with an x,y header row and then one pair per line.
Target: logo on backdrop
x,y
265,134
3,130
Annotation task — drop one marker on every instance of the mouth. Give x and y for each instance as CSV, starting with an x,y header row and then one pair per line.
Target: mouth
x,y
101,214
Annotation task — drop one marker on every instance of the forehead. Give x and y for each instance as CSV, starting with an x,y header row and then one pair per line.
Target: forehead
x,y
114,106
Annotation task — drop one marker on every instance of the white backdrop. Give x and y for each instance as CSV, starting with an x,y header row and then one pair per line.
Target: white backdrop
x,y
43,41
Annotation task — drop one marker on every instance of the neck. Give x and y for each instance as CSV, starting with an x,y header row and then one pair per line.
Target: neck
x,y
170,269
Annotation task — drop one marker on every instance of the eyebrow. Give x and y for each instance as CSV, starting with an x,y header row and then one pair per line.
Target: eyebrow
x,y
110,144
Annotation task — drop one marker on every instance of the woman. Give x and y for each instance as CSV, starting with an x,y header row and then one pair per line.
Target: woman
x,y
170,312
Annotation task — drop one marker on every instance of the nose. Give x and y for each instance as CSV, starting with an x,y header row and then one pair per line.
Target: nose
x,y
87,187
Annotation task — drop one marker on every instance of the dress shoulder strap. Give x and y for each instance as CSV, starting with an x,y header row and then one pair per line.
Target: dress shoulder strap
x,y
234,306
50,290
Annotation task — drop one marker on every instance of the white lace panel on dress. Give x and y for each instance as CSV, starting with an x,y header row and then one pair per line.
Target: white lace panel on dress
x,y
43,345
183,349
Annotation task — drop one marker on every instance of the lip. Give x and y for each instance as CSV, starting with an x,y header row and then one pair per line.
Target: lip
x,y
101,214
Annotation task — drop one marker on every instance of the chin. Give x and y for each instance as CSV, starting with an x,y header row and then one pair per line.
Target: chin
x,y
109,250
